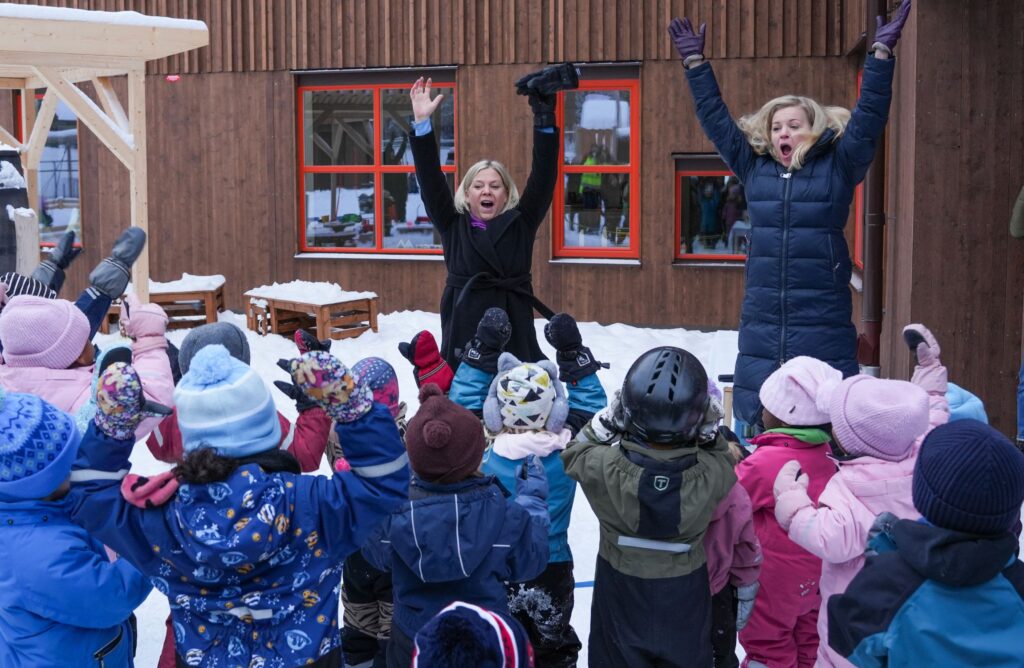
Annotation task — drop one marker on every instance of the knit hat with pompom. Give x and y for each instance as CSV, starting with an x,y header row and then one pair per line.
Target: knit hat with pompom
x,y
223,404
445,441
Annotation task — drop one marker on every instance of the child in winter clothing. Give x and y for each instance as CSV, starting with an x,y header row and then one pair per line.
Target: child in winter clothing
x,y
878,426
366,593
248,551
734,562
62,602
459,537
653,470
948,589
464,634
47,352
782,628
305,440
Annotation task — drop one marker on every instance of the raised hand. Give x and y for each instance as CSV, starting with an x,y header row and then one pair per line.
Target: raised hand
x,y
325,380
688,43
422,106
887,34
922,344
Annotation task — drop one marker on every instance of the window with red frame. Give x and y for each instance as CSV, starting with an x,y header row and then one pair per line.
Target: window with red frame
x,y
592,213
712,222
357,182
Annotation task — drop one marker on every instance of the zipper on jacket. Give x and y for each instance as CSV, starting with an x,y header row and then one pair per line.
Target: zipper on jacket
x,y
788,176
101,654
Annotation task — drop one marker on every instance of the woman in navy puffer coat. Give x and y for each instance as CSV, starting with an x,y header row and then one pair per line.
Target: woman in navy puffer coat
x,y
799,163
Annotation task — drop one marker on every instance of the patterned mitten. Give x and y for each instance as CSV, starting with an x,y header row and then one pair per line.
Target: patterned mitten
x,y
327,381
120,404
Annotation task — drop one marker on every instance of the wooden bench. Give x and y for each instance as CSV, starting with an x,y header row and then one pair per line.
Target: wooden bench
x,y
186,308
336,320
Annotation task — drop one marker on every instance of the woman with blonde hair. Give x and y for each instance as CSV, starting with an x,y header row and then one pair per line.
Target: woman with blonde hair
x,y
799,162
487,232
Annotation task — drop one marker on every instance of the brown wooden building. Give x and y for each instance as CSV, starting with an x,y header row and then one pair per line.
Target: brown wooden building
x,y
260,151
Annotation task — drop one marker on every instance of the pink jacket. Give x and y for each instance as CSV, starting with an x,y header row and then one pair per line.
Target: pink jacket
x,y
789,573
733,552
70,389
306,440
837,529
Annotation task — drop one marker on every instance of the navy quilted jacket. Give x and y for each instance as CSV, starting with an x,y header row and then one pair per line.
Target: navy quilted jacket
x,y
797,299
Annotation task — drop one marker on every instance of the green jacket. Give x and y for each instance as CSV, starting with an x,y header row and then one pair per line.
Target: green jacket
x,y
653,516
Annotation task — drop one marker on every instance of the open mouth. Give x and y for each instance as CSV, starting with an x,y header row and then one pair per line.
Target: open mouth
x,y
486,205
785,150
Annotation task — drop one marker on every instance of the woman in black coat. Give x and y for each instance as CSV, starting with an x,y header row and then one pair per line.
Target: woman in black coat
x,y
487,230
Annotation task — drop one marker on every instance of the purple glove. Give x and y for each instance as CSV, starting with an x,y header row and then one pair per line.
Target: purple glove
x,y
887,34
325,380
120,404
687,42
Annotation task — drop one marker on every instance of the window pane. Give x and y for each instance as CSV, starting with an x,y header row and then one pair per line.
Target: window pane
x,y
397,123
597,127
338,127
713,216
339,210
410,228
58,178
596,211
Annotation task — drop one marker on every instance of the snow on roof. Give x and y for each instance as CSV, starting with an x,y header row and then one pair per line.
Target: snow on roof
x,y
308,292
12,11
187,283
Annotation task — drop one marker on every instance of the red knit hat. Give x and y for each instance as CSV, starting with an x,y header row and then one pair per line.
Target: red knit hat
x,y
445,441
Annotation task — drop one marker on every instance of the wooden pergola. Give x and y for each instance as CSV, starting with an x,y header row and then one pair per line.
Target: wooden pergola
x,y
57,49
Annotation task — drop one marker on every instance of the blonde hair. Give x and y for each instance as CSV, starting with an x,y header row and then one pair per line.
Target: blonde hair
x,y
758,126
462,205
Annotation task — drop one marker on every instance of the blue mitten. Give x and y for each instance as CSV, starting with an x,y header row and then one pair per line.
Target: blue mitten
x,y
532,488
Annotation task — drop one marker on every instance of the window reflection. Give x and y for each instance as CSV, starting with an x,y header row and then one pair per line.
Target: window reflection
x,y
596,210
340,210
713,218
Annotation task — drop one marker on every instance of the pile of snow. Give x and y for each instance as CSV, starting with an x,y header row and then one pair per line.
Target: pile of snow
x,y
187,283
10,177
308,292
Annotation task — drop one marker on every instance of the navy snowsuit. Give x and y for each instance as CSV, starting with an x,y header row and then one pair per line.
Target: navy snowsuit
x,y
797,299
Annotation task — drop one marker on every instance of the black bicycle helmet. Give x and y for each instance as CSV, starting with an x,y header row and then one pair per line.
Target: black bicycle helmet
x,y
664,396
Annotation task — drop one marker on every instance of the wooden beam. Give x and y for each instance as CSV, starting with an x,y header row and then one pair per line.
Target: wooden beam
x,y
138,174
9,139
28,121
108,99
40,129
105,129
11,82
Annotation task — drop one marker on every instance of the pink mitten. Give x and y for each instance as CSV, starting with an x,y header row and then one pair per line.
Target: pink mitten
x,y
142,320
151,491
923,344
790,490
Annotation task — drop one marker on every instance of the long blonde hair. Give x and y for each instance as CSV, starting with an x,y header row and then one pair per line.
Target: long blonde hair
x,y
462,205
758,126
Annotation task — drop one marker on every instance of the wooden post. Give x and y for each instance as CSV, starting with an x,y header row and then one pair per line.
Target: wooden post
x,y
28,119
373,313
138,175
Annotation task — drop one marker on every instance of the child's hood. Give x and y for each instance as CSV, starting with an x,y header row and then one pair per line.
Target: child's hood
x,y
880,485
445,532
238,524
517,445
950,557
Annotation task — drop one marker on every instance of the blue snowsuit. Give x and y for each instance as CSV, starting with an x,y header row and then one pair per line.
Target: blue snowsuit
x,y
797,299
251,565
62,602
942,598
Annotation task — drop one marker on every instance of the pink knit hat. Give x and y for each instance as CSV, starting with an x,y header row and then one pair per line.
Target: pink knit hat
x,y
791,392
35,331
878,418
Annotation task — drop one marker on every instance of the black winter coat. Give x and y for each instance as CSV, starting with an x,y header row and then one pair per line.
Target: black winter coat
x,y
488,267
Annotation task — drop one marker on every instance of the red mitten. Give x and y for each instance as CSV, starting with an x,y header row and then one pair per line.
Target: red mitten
x,y
422,351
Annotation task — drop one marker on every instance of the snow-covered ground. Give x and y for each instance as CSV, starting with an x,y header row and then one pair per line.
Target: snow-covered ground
x,y
616,344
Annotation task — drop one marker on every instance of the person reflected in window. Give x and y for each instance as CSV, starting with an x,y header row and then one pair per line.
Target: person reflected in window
x,y
396,186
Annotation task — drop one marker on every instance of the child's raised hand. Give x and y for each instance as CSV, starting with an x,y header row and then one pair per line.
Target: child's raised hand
x,y
422,106
324,379
922,344
120,403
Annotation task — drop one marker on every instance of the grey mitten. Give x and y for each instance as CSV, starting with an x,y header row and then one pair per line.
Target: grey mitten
x,y
745,597
50,271
111,276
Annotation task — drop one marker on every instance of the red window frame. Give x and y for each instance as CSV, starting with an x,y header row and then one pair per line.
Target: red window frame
x,y
376,170
697,257
858,207
632,170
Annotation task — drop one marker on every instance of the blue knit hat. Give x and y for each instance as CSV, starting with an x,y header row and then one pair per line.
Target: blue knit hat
x,y
38,443
222,403
970,478
464,634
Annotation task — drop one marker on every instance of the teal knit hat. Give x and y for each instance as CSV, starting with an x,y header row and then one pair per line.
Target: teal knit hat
x,y
38,443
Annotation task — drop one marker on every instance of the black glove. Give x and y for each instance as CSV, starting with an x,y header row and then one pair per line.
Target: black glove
x,y
575,361
301,399
541,87
492,333
51,270
543,110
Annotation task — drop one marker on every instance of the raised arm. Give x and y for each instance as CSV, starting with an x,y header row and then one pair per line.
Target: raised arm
x,y
540,185
712,113
437,198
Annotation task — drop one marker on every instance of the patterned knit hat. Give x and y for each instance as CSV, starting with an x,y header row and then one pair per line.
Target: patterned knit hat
x,y
969,477
792,392
381,378
36,331
224,404
464,634
878,418
38,444
526,397
445,441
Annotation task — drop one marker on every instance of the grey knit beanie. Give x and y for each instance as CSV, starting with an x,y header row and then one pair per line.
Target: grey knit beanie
x,y
224,333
